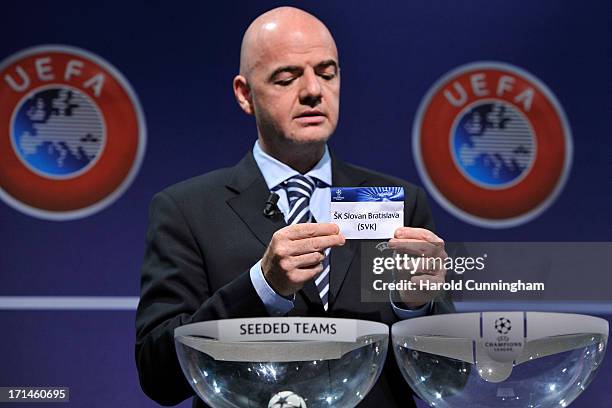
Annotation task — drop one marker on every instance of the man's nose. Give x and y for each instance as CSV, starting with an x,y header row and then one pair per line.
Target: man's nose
x,y
310,93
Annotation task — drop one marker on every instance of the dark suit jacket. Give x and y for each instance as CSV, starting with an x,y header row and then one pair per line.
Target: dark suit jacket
x,y
206,233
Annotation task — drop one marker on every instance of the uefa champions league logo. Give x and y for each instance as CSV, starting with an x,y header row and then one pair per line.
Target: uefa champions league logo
x,y
286,399
503,325
338,196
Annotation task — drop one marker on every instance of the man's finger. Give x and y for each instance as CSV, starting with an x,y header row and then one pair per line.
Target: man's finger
x,y
416,247
316,244
422,295
308,274
418,233
434,281
309,230
430,272
308,260
420,271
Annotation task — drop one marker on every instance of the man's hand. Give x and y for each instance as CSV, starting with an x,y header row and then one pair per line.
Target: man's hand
x,y
420,243
296,253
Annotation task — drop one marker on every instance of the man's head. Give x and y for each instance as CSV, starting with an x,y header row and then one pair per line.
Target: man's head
x,y
289,79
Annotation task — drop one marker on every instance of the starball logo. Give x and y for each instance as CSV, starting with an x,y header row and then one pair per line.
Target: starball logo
x,y
339,196
503,325
503,343
73,134
492,144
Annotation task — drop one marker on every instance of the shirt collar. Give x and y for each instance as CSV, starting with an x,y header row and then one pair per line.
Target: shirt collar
x,y
275,171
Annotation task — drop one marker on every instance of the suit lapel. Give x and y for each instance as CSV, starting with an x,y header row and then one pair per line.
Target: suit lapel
x,y
248,204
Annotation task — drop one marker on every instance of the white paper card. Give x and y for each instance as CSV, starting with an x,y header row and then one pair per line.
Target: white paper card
x,y
367,212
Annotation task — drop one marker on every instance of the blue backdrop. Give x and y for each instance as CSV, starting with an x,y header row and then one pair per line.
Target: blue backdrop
x,y
180,58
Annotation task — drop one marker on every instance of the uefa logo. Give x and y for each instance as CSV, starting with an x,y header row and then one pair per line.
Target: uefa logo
x,y
492,144
73,133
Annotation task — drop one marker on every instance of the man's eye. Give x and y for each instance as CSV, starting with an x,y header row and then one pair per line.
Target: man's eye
x,y
284,82
328,77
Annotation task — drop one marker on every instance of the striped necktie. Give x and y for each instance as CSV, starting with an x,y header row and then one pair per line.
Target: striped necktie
x,y
299,190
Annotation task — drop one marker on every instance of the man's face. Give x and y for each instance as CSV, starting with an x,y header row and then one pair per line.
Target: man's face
x,y
295,85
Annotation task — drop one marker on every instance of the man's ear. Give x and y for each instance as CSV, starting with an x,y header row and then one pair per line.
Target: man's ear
x,y
242,92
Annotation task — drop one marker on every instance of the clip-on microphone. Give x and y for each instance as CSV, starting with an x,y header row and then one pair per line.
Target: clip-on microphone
x,y
270,208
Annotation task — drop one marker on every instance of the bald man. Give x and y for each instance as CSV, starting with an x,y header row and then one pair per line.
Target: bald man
x,y
213,253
